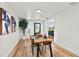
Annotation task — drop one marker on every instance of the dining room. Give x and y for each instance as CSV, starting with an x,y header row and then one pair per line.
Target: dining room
x,y
39,29
40,37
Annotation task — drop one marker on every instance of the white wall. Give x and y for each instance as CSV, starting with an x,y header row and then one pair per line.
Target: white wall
x,y
8,42
67,29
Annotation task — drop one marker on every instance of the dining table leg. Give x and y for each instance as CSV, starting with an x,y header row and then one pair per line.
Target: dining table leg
x,y
50,50
38,48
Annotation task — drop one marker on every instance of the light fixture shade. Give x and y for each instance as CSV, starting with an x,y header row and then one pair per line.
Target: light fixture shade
x,y
38,10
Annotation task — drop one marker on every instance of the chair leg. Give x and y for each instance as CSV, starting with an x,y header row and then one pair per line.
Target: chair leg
x,y
38,48
45,48
50,50
41,50
32,50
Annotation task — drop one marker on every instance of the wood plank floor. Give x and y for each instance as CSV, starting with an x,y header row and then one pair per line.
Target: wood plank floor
x,y
23,49
61,52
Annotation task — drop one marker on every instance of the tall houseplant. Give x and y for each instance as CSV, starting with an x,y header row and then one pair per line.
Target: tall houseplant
x,y
23,24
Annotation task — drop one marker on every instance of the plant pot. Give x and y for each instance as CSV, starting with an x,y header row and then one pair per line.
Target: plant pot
x,y
23,32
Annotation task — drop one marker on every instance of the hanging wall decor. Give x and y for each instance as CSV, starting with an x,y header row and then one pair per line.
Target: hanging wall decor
x,y
7,22
37,28
13,24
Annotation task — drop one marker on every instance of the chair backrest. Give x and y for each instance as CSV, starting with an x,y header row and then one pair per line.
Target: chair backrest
x,y
31,39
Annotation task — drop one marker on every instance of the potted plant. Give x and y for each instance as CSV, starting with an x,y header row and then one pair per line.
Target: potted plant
x,y
23,24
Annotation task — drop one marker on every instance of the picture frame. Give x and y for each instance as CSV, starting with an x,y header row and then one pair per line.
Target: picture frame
x,y
37,28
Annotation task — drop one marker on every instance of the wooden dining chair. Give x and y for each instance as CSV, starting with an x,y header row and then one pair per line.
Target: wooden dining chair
x,y
48,43
33,45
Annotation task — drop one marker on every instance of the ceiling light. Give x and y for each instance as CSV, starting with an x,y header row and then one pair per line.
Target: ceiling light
x,y
38,10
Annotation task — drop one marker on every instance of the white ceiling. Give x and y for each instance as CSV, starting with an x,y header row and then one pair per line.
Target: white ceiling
x,y
27,9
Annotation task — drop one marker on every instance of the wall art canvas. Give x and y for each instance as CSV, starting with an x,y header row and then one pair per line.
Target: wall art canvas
x,y
13,24
8,23
6,26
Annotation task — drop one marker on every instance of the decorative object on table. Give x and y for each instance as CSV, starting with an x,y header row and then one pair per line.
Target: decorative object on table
x,y
36,37
40,35
23,24
45,36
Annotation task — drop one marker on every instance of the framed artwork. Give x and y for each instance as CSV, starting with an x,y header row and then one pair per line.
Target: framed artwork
x,y
37,28
0,21
13,24
7,22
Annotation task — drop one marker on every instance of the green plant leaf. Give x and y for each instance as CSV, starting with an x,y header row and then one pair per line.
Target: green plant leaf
x,y
23,24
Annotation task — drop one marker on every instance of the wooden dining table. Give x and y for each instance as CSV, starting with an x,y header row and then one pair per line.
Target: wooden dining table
x,y
43,40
